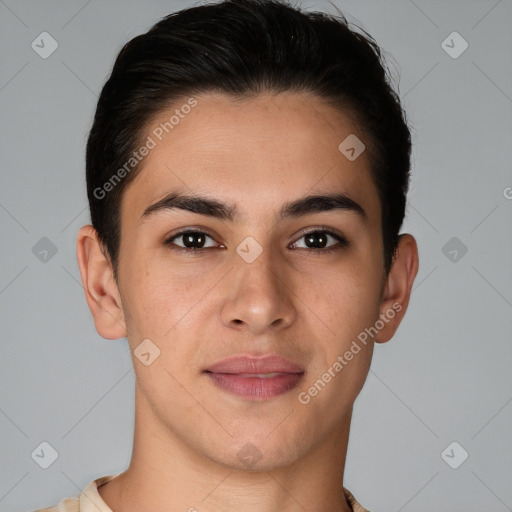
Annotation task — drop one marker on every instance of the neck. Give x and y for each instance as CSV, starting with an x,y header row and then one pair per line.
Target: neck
x,y
165,473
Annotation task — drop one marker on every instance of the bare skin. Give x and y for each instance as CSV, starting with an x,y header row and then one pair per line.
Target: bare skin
x,y
292,300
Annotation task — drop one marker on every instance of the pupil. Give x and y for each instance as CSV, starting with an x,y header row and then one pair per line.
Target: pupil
x,y
314,236
189,239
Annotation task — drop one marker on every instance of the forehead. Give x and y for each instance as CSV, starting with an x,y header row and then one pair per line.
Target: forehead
x,y
257,152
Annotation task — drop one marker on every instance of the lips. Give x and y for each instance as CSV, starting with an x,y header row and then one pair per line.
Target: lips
x,y
255,365
256,378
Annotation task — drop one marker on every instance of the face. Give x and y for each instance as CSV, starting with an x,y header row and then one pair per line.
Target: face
x,y
255,281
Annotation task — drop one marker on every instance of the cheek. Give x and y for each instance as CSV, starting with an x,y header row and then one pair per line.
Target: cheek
x,y
347,299
147,302
347,303
168,308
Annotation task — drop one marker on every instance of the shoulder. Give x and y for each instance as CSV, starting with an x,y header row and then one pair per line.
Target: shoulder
x,y
356,506
65,505
88,501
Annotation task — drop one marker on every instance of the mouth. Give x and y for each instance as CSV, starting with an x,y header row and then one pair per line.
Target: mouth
x,y
256,378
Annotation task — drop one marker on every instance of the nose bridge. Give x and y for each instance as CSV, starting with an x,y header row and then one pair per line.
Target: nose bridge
x,y
259,297
258,267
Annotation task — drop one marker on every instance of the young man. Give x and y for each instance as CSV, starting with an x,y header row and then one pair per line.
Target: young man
x,y
247,173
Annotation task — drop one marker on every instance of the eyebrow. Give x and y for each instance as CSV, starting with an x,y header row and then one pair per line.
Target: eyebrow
x,y
294,209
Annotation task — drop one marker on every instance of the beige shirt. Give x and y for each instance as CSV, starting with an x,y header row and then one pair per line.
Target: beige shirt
x,y
90,500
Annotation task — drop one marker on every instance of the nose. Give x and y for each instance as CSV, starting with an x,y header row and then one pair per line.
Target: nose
x,y
259,297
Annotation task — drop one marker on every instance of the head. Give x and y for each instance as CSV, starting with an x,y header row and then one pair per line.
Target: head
x,y
251,105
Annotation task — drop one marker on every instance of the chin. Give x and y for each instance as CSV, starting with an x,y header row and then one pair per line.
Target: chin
x,y
259,453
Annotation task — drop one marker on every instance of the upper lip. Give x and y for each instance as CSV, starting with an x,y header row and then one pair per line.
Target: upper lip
x,y
255,365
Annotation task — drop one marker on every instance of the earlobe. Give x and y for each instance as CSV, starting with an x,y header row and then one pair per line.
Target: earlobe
x,y
398,287
101,291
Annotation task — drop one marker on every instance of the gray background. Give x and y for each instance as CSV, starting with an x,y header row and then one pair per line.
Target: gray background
x,y
446,376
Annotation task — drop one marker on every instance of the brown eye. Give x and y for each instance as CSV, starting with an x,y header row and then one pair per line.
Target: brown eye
x,y
192,241
318,239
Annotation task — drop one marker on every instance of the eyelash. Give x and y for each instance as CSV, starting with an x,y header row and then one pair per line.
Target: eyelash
x,y
343,242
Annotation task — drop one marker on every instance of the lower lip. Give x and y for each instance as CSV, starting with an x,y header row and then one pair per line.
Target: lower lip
x,y
256,388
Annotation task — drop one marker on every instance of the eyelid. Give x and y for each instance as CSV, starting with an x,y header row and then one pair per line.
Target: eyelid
x,y
343,241
315,229
169,240
192,229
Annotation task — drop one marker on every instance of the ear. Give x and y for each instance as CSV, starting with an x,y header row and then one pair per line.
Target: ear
x,y
397,290
101,291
